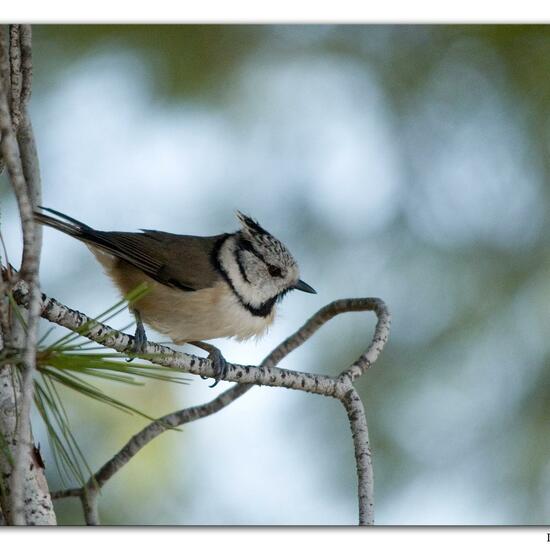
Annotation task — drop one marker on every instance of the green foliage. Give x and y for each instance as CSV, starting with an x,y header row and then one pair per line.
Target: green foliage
x,y
189,59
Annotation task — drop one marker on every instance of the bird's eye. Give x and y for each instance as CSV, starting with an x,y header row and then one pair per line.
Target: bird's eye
x,y
274,271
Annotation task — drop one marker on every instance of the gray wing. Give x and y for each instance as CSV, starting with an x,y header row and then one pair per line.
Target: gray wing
x,y
179,261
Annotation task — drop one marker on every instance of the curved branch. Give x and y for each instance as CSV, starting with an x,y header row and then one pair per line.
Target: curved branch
x,y
266,374
381,335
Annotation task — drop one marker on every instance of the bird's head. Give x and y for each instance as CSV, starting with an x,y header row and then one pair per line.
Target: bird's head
x,y
262,270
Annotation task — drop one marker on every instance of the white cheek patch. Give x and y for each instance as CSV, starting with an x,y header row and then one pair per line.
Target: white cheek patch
x,y
252,294
229,264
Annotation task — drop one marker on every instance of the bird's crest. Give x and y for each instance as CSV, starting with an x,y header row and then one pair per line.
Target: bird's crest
x,y
265,242
251,226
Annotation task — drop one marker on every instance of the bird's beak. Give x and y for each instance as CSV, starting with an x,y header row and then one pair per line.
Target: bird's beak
x,y
304,287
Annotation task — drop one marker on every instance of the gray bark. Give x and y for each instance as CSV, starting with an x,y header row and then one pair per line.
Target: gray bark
x,y
25,497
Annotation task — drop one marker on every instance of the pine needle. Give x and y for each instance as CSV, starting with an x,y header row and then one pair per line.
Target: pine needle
x,y
73,362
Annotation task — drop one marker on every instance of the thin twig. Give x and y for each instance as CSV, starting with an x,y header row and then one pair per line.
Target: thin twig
x,y
109,337
363,460
5,76
16,75
88,498
381,335
25,134
25,32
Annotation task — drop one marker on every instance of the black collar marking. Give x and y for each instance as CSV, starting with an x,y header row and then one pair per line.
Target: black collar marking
x,y
264,309
238,259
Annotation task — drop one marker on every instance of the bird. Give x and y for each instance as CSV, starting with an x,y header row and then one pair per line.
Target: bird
x,y
198,288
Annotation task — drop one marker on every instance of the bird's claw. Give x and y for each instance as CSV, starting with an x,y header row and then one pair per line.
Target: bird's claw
x,y
140,341
219,365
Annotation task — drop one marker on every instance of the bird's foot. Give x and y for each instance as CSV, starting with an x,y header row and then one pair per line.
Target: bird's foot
x,y
140,341
219,364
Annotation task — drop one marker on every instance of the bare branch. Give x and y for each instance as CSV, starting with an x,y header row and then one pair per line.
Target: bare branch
x,y
88,497
381,335
266,374
363,460
25,134
16,76
66,493
109,337
19,83
5,76
25,32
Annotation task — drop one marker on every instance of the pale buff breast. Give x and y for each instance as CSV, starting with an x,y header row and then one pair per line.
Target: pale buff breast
x,y
186,316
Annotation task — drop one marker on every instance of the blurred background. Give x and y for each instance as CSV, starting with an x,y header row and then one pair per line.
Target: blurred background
x,y
406,162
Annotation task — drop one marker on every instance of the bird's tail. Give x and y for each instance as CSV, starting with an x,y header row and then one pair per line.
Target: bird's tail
x,y
70,226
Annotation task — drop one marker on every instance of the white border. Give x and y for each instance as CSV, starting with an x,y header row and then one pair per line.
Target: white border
x,y
281,11
276,538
